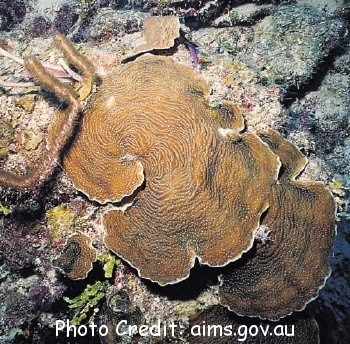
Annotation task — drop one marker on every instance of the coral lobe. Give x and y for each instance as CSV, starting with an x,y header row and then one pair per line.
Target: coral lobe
x,y
204,191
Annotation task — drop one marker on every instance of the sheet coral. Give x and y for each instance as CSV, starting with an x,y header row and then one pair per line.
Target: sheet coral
x,y
196,186
205,186
287,271
77,256
159,33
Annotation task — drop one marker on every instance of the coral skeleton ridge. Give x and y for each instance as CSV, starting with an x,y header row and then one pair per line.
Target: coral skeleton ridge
x,y
198,186
289,269
77,256
191,203
159,33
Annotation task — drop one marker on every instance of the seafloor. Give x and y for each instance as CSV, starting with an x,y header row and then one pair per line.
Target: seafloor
x,y
284,63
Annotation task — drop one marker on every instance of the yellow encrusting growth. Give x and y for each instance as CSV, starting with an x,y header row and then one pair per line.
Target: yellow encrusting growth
x,y
63,221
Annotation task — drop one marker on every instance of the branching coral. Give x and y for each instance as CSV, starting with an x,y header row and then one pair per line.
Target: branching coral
x,y
63,126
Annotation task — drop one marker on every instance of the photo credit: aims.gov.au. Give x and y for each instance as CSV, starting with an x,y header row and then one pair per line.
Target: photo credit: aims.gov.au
x,y
171,329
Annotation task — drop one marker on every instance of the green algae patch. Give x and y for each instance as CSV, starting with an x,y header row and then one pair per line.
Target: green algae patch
x,y
4,210
109,262
84,304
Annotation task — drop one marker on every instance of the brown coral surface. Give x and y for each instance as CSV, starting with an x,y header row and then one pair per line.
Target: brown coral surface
x,y
158,33
286,272
204,187
77,256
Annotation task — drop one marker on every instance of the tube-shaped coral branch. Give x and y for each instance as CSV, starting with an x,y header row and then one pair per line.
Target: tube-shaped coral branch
x,y
73,56
48,81
60,131
77,60
62,71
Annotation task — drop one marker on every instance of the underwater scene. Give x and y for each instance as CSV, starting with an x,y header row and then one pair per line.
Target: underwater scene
x,y
174,171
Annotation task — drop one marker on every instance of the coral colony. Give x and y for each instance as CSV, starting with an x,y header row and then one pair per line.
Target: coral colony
x,y
196,185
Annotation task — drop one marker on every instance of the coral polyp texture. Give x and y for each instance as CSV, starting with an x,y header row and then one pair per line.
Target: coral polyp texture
x,y
286,272
204,187
62,127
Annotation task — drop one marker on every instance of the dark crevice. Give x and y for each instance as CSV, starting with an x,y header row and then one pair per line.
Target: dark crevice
x,y
298,89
